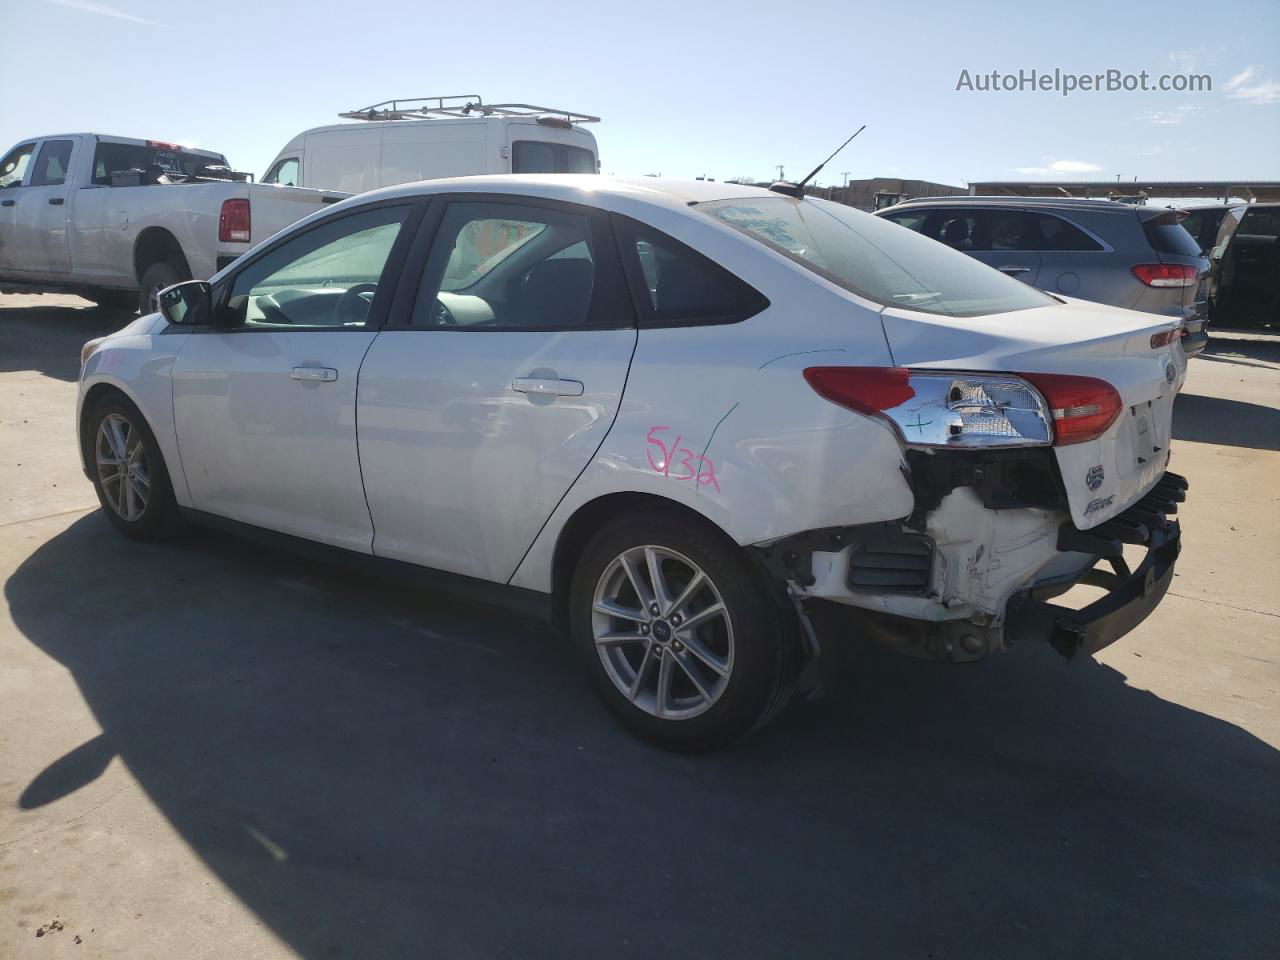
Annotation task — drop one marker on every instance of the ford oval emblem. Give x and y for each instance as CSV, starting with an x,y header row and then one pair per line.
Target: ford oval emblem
x,y
1170,372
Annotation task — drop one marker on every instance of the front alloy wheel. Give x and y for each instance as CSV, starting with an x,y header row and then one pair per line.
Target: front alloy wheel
x,y
122,467
662,632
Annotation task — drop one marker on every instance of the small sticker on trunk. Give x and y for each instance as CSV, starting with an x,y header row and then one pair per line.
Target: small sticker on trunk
x,y
1094,477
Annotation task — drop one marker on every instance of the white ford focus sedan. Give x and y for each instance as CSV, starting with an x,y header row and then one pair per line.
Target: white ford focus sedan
x,y
676,416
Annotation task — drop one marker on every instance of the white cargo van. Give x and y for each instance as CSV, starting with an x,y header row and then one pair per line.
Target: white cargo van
x,y
398,141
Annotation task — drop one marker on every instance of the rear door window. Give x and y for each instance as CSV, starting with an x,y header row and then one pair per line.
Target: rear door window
x,y
498,265
538,156
51,164
14,166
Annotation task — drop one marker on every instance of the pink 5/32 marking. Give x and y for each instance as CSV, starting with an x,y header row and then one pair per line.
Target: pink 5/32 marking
x,y
689,464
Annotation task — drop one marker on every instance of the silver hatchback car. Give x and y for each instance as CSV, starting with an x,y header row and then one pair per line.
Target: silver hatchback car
x,y
1140,258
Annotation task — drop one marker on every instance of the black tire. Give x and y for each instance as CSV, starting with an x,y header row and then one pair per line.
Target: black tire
x,y
159,516
113,299
154,279
765,637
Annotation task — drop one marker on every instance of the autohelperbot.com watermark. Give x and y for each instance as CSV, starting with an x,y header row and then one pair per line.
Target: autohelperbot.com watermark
x,y
1065,83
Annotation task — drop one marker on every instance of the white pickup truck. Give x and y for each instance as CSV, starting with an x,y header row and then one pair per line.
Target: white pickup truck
x,y
116,220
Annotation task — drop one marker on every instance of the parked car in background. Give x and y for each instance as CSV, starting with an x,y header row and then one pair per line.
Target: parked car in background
x,y
675,415
1127,256
399,141
116,220
1243,243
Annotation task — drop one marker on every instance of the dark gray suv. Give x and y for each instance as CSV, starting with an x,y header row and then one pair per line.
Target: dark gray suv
x,y
1140,258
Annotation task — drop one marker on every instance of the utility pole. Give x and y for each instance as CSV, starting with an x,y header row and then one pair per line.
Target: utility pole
x,y
845,174
780,174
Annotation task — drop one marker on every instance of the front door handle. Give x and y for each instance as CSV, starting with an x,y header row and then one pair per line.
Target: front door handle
x,y
56,201
314,374
549,388
1014,269
7,203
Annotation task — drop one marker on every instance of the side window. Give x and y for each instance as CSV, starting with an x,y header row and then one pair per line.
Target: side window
x,y
51,163
680,285
14,166
327,277
959,230
1006,230
285,173
1055,234
911,219
508,266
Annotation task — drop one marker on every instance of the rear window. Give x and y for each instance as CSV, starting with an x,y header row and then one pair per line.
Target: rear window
x,y
1167,235
875,258
538,156
110,157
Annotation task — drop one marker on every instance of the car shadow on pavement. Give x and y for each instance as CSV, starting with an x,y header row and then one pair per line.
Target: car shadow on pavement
x,y
378,772
48,339
1226,422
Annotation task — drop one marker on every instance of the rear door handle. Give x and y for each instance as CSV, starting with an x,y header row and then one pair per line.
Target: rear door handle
x,y
56,201
7,203
315,374
1014,269
550,388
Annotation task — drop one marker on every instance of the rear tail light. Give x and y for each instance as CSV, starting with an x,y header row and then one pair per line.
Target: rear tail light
x,y
1166,274
233,221
1159,340
940,409
1082,407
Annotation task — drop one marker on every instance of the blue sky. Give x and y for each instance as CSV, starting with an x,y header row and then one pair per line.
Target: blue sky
x,y
707,87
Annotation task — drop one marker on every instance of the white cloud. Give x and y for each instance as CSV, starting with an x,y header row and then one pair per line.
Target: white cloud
x,y
1170,117
1186,60
1249,84
1061,166
102,10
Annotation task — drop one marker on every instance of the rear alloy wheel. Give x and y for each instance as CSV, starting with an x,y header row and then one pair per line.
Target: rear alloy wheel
x,y
683,640
662,632
129,474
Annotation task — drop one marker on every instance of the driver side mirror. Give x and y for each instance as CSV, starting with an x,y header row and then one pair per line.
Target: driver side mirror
x,y
187,304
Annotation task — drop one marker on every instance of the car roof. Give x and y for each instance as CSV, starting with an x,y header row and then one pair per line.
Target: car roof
x,y
1050,203
586,188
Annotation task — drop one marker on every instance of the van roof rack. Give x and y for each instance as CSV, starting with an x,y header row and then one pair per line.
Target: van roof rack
x,y
463,105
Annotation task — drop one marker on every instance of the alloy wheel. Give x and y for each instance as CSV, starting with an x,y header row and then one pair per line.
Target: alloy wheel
x,y
662,632
122,467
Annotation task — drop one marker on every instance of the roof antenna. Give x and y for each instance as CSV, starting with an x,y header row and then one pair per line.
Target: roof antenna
x,y
797,189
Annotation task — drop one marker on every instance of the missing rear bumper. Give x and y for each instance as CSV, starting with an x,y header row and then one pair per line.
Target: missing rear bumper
x,y
1131,594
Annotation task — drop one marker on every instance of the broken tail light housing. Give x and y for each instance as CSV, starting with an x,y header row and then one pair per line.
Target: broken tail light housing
x,y
938,408
1166,274
233,221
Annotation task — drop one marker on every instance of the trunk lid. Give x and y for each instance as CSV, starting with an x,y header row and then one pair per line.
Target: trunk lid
x,y
1103,476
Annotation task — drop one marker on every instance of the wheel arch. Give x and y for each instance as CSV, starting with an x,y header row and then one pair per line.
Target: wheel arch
x,y
589,517
102,390
158,245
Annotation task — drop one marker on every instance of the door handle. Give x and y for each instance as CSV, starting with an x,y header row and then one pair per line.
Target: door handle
x,y
1014,269
56,201
549,388
7,203
314,374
